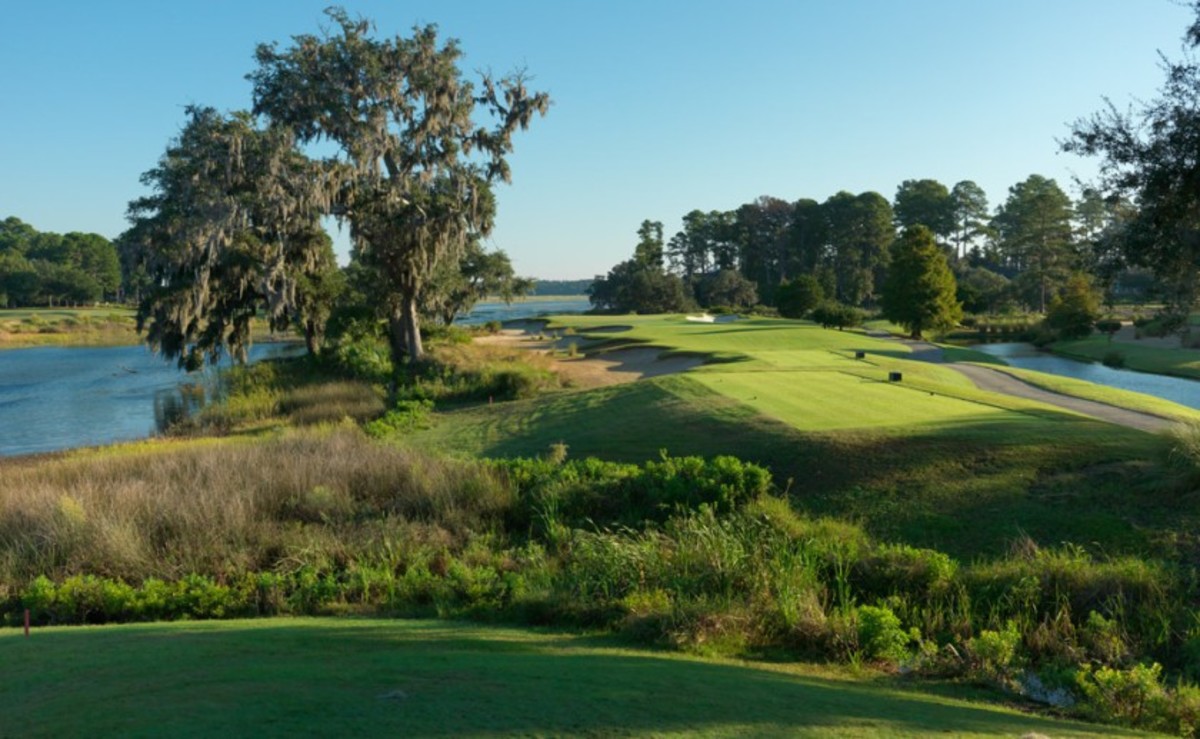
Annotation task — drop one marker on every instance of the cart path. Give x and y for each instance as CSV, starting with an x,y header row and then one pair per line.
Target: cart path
x,y
996,381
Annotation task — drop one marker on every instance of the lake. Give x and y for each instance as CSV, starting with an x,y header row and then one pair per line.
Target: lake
x,y
54,398
549,306
58,397
1026,356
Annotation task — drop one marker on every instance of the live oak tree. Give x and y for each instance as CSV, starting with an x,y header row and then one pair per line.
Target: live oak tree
x,y
726,288
799,296
920,290
231,228
641,284
1148,154
414,169
457,286
1075,309
46,268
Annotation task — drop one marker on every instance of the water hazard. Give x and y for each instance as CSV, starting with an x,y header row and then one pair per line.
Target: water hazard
x,y
55,398
62,397
1026,356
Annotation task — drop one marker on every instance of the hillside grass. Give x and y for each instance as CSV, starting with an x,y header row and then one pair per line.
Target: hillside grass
x,y
921,461
284,677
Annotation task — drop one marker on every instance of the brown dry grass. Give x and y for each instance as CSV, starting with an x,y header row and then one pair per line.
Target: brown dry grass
x,y
217,509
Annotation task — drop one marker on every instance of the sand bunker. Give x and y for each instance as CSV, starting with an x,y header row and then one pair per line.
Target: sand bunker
x,y
623,365
609,368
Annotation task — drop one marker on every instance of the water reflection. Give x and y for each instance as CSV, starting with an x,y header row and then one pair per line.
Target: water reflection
x,y
61,397
172,406
1026,356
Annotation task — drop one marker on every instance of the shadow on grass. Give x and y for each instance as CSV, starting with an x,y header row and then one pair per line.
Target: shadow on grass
x,y
337,676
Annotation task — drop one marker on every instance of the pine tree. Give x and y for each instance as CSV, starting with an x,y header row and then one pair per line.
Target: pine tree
x,y
919,291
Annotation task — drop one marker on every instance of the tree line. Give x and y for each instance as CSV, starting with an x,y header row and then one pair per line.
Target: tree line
x,y
1132,235
1018,256
42,268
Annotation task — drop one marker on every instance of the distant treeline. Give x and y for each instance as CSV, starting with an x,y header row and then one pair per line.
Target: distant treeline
x,y
1018,256
43,268
561,287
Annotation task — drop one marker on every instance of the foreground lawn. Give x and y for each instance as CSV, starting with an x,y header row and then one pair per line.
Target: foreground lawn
x,y
327,677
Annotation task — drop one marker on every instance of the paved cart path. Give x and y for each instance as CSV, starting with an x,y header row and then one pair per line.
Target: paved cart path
x,y
1001,382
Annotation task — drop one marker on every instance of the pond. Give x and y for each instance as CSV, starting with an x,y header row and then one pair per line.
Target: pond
x,y
54,398
1026,356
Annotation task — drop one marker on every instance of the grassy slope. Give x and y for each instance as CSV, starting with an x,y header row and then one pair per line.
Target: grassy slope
x,y
921,468
282,677
1178,361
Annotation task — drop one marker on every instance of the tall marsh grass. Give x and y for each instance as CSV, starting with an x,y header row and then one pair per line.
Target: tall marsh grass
x,y
219,509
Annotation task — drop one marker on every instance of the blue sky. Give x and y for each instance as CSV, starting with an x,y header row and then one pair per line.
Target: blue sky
x,y
660,107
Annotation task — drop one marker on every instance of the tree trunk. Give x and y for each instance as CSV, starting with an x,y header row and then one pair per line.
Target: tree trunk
x,y
412,330
396,339
310,337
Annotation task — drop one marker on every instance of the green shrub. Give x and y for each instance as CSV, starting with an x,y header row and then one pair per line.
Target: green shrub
x,y
837,315
898,568
1114,358
994,653
880,636
1183,456
1108,326
591,492
1104,639
364,356
1132,697
407,416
